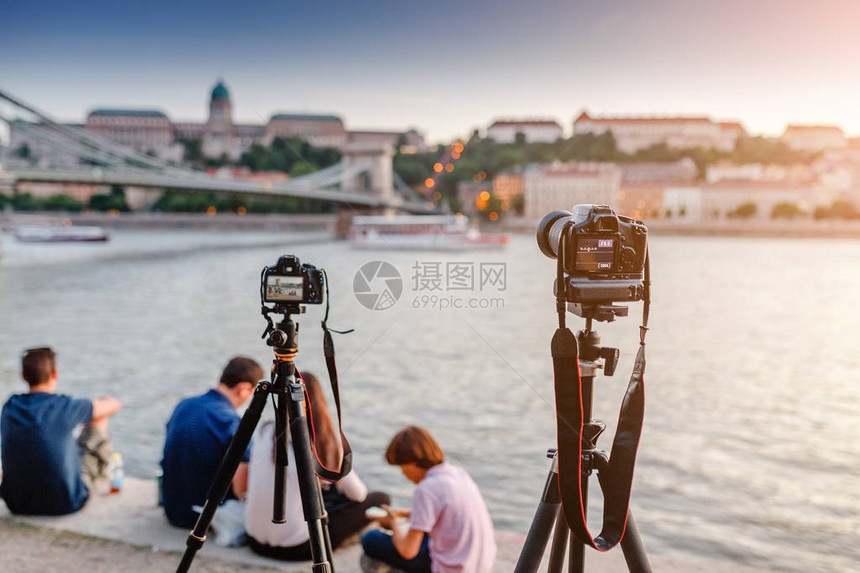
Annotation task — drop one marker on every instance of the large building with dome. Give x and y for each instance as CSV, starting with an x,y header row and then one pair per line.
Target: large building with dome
x,y
151,131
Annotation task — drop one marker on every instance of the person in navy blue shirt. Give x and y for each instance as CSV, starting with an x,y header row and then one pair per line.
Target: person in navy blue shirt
x,y
45,470
198,434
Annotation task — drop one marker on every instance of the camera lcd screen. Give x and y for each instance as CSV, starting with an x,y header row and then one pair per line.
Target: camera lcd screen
x,y
284,289
595,254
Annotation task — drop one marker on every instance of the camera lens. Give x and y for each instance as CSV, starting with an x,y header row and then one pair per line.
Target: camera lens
x,y
549,231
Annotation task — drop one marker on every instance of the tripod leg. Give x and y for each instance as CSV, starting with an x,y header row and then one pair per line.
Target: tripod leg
x,y
223,479
546,514
280,492
309,487
576,564
559,545
631,542
634,551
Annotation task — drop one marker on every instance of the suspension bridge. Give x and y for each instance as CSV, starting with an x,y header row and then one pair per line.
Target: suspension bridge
x,y
364,178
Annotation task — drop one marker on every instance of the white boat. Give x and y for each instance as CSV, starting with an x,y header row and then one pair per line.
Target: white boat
x,y
421,232
60,234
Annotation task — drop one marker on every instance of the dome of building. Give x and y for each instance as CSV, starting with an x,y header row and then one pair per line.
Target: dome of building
x,y
220,91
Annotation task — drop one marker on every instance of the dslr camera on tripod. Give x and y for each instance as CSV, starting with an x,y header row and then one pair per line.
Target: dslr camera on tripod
x,y
602,255
290,282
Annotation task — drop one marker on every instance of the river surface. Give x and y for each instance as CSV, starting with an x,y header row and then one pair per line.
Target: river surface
x,y
750,451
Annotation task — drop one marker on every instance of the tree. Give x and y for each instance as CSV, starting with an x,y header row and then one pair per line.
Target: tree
x,y
491,210
23,151
183,202
840,209
302,168
193,150
24,202
62,202
785,210
744,211
518,204
843,210
762,150
507,157
113,201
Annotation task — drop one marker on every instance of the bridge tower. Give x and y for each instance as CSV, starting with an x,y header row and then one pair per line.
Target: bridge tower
x,y
376,160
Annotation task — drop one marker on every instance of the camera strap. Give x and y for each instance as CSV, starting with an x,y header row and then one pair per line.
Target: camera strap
x,y
616,477
331,366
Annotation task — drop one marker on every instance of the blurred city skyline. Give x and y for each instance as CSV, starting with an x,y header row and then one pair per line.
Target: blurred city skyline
x,y
444,68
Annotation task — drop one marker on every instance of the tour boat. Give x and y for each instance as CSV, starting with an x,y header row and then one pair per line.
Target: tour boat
x,y
60,234
421,232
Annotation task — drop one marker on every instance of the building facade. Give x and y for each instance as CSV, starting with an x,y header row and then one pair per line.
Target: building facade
x,y
508,185
145,130
719,200
635,133
152,132
643,185
814,137
529,131
563,185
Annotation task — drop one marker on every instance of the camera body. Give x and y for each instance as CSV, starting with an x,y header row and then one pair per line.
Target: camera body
x,y
289,282
603,254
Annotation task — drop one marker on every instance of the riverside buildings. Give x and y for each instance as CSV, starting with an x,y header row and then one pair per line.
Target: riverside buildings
x,y
563,185
722,199
152,132
635,133
525,131
814,137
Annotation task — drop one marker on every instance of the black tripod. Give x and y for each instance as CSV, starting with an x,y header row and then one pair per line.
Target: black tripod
x,y
290,411
548,515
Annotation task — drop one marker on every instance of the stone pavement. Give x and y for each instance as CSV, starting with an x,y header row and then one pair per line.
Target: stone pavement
x,y
134,517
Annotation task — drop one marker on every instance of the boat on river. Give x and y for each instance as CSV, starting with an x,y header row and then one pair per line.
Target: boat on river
x,y
60,234
421,232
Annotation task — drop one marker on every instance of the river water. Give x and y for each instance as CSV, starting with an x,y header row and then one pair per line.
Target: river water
x,y
750,451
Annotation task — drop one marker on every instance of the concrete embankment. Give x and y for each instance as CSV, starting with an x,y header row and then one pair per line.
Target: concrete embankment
x,y
802,228
225,221
128,532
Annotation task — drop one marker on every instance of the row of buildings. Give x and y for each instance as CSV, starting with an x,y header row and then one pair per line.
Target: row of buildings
x,y
673,189
634,133
152,132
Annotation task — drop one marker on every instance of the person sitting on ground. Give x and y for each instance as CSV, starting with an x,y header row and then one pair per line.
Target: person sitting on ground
x,y
44,471
345,501
198,435
450,528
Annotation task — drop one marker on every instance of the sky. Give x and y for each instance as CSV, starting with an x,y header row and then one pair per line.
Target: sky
x,y
444,67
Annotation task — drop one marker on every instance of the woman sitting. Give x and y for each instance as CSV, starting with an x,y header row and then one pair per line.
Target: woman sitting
x,y
345,501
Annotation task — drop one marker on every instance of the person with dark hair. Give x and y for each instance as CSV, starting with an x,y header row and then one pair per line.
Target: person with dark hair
x,y
345,501
198,435
450,528
45,470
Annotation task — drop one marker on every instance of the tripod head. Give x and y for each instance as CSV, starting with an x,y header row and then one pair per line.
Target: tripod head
x,y
284,339
592,355
599,312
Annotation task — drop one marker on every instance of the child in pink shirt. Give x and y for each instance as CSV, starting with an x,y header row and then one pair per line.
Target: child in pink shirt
x,y
450,529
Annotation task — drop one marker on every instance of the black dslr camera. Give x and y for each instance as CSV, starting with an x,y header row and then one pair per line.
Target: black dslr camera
x,y
291,283
602,255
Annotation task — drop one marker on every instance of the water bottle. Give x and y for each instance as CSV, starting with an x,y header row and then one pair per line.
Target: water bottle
x,y
115,473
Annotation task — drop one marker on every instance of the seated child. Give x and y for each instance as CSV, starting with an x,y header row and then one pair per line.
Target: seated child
x,y
450,528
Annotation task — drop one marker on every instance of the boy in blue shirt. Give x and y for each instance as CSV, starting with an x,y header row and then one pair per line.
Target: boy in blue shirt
x,y
198,435
45,470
